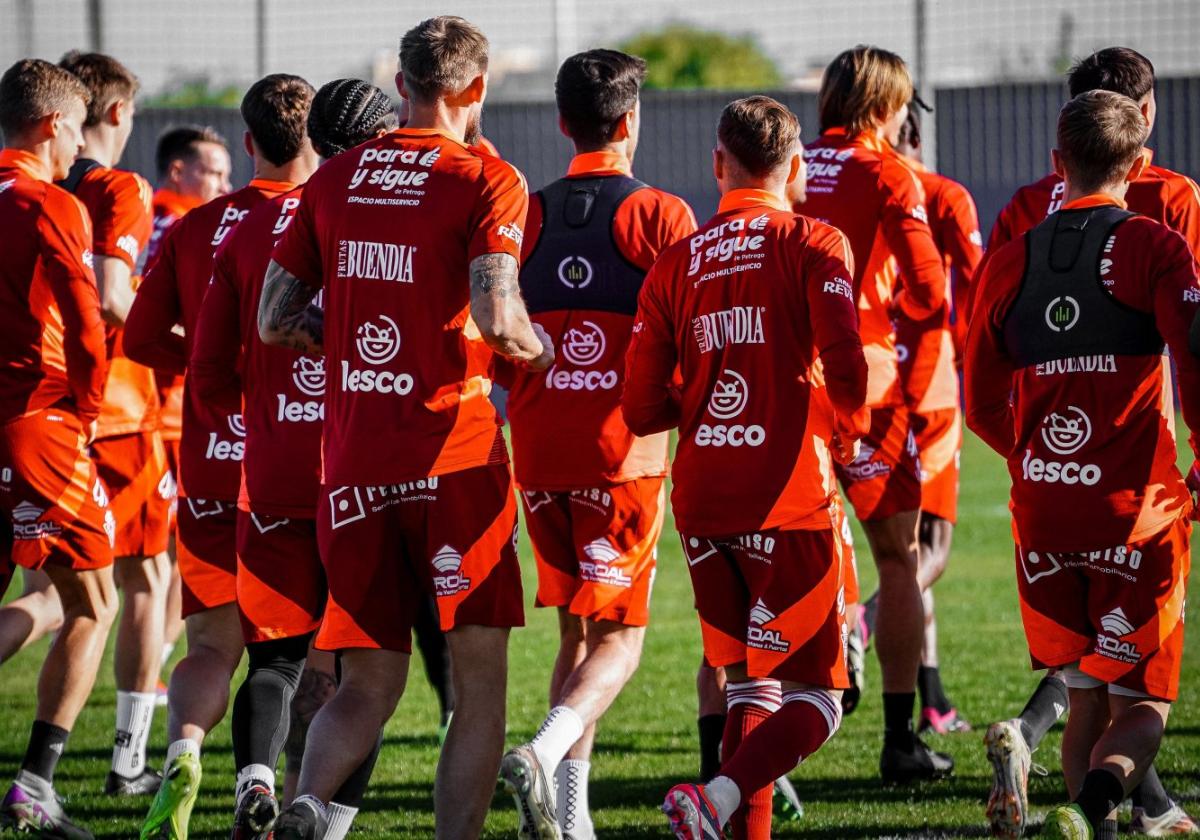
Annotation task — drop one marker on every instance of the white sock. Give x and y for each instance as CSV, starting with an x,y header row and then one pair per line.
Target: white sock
x,y
251,773
35,784
184,746
571,780
168,649
341,817
135,713
725,797
312,802
560,730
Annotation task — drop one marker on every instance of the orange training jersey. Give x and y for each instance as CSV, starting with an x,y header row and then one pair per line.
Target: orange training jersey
x,y
168,207
1089,440
753,437
51,336
864,189
567,429
389,230
119,205
928,349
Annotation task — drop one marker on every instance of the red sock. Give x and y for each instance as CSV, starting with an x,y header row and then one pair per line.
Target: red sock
x,y
752,703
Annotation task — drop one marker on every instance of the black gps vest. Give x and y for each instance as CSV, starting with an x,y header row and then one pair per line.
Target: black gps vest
x,y
79,168
1062,309
576,263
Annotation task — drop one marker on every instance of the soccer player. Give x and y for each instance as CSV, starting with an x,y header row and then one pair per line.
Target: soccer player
x,y
858,183
929,378
275,109
743,309
415,239
1174,200
129,453
1071,320
592,492
280,582
52,383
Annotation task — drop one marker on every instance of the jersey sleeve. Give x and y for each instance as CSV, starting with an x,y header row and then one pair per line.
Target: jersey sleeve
x,y
1183,213
298,251
150,338
828,270
649,401
217,344
905,226
122,221
1176,303
1002,229
650,221
501,206
962,244
64,235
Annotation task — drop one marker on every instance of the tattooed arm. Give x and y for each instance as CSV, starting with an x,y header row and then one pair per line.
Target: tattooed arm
x,y
285,317
499,312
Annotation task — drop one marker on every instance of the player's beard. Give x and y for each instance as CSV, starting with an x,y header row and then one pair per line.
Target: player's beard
x,y
474,128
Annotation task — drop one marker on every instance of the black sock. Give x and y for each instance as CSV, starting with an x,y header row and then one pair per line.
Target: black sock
x,y
1108,830
898,720
1101,793
262,708
435,653
1047,704
46,745
929,683
711,727
353,790
1150,795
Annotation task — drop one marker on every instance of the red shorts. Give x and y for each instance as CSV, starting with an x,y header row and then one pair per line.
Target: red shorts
x,y
280,579
939,444
885,478
52,495
841,526
172,447
775,601
596,548
385,549
206,547
141,490
1117,611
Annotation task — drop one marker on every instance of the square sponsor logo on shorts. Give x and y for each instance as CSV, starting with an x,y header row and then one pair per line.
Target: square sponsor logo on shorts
x,y
346,506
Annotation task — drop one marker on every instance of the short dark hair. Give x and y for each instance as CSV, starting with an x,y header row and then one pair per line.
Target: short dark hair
x,y
859,85
347,112
910,132
1100,135
442,55
1118,69
107,79
181,142
33,88
759,132
594,90
275,110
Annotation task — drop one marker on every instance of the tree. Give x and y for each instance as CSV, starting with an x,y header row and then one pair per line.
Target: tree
x,y
194,92
681,56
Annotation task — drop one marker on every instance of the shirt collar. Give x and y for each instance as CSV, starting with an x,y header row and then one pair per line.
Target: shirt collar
x,y
176,201
599,163
27,162
1094,200
744,199
871,141
268,185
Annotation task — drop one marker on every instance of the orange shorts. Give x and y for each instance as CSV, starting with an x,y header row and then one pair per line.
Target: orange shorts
x,y
280,579
141,489
885,478
1117,611
774,600
51,494
596,548
939,444
386,549
841,526
206,547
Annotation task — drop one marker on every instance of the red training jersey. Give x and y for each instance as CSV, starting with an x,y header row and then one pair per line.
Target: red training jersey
x,y
280,392
590,445
389,230
52,349
753,434
170,296
861,186
119,205
928,349
1090,441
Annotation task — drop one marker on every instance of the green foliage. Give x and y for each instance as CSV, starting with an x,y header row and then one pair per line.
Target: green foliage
x,y
680,56
195,92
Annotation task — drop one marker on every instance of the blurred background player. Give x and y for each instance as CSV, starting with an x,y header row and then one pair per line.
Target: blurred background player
x,y
740,311
857,183
53,344
592,492
280,580
274,109
1174,200
129,453
1065,377
415,239
928,355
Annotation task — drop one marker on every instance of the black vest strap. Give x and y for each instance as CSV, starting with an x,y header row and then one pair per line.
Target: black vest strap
x,y
576,263
1063,309
79,168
